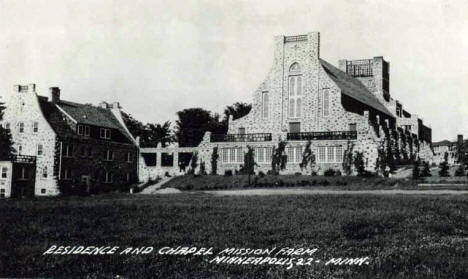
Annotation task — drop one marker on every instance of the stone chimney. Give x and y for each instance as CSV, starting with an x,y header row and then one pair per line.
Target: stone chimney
x,y
115,105
103,105
25,88
54,95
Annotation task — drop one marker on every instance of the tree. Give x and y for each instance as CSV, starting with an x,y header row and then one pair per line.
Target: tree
x,y
249,163
193,163
416,173
308,157
460,171
157,133
381,163
193,123
348,158
135,127
358,162
6,141
426,170
237,110
279,159
214,161
444,169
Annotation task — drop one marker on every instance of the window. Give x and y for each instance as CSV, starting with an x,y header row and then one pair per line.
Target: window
x,y
294,154
295,91
39,150
67,174
225,155
20,149
232,154
294,127
326,102
87,131
109,155
242,131
129,156
35,127
265,104
80,130
109,177
330,154
44,172
4,172
67,150
352,126
268,154
295,96
23,174
43,191
240,155
105,133
21,127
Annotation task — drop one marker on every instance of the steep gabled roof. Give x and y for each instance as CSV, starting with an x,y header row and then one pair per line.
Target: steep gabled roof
x,y
56,115
353,88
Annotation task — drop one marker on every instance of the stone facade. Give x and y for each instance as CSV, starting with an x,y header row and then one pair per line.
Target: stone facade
x,y
6,174
73,144
331,100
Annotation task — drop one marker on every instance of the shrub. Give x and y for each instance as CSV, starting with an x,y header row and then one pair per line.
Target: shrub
x,y
329,172
444,169
261,174
297,173
166,174
214,161
228,173
416,173
359,163
338,173
426,170
460,171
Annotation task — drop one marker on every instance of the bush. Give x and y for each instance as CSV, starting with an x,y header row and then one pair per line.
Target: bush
x,y
460,171
444,169
426,171
228,173
338,173
416,173
261,174
329,172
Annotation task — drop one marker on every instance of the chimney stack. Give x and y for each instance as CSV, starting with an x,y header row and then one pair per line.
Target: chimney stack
x,y
54,94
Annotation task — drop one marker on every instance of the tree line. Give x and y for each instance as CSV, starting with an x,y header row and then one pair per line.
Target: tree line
x,y
189,128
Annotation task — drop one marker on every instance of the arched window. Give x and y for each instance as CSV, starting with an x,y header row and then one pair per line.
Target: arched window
x,y
295,90
265,104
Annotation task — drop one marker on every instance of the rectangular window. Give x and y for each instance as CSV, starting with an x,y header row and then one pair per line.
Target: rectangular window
x,y
326,102
87,131
129,157
105,133
67,174
20,149
21,127
240,155
298,154
352,126
4,172
43,191
268,154
35,127
260,154
339,154
232,156
24,174
80,130
225,155
109,177
44,172
295,96
290,153
321,154
242,131
331,154
67,150
109,155
265,105
39,150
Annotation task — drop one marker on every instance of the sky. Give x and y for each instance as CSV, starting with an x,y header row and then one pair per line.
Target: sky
x,y
159,57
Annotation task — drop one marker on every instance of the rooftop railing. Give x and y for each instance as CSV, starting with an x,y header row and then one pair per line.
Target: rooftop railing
x,y
258,137
330,135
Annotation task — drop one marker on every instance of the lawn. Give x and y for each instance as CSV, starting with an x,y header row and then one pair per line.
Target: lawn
x,y
404,236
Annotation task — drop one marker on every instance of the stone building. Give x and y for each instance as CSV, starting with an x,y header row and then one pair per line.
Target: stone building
x,y
305,98
62,145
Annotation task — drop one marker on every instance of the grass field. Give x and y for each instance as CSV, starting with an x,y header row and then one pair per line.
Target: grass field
x,y
404,236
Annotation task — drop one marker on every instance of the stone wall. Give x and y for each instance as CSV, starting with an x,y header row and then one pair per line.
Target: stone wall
x,y
22,106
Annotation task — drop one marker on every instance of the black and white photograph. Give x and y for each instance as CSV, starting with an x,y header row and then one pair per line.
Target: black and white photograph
x,y
234,139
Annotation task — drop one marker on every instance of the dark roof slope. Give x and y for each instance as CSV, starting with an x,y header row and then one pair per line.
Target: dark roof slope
x,y
82,113
353,87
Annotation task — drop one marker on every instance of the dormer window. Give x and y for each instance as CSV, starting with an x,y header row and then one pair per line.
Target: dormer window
x,y
105,133
35,127
21,127
83,130
80,129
